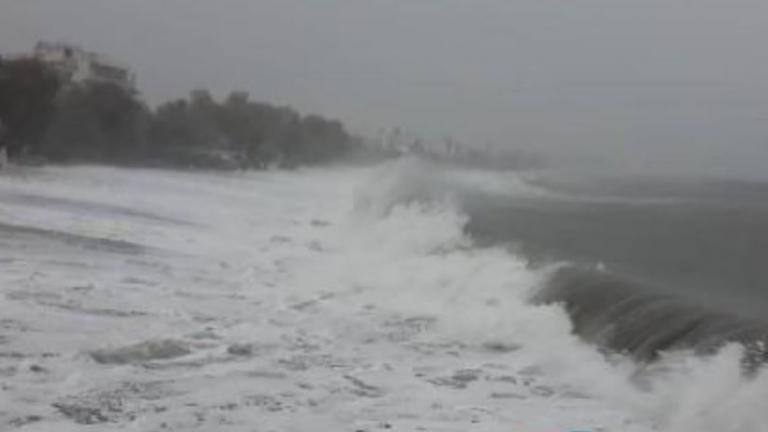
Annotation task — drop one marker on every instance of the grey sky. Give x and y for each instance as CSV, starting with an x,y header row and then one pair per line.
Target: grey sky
x,y
658,84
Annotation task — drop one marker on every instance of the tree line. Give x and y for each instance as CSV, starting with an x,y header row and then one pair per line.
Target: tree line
x,y
49,119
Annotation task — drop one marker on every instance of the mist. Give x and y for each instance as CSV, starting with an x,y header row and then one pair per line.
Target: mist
x,y
672,87
384,215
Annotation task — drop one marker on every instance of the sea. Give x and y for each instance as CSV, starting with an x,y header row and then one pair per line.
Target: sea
x,y
407,296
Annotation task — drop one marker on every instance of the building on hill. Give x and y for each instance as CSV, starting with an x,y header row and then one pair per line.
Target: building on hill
x,y
77,65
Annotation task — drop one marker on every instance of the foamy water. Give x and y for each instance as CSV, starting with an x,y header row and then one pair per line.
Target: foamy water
x,y
334,299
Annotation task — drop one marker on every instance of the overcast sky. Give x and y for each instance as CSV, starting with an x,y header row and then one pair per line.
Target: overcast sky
x,y
659,84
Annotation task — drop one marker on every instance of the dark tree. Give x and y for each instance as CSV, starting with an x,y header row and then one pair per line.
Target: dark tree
x,y
239,132
103,122
98,122
27,92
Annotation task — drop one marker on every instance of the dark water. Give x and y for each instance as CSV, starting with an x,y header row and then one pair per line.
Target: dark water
x,y
19,237
653,265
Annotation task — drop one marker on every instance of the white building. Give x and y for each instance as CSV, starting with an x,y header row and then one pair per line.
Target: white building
x,y
79,66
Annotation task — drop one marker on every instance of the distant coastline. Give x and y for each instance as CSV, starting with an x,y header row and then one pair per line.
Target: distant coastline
x,y
63,104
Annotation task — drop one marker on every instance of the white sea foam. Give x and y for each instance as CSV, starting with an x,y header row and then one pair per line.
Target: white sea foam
x,y
417,258
330,299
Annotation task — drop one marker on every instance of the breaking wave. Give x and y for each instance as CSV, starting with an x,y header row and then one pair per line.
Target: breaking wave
x,y
624,316
677,364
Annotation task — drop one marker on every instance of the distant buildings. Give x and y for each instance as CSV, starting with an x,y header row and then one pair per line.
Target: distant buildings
x,y
396,143
76,65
